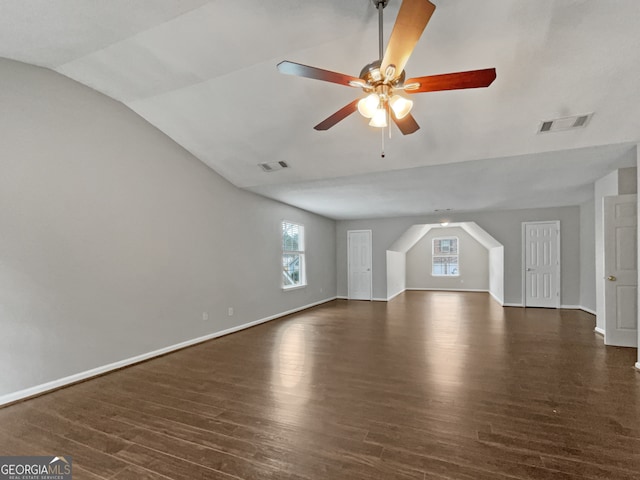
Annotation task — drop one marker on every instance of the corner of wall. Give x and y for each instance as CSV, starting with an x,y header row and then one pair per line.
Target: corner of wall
x,y
638,182
496,273
396,273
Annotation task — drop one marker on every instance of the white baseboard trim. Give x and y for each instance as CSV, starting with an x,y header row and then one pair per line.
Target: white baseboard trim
x,y
94,372
599,331
457,290
395,295
566,307
447,290
372,300
493,295
578,307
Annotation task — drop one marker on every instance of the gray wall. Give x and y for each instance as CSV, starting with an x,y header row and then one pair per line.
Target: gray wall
x,y
473,263
505,226
588,256
114,239
628,180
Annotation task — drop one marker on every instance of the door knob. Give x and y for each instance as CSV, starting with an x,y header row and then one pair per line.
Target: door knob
x,y
611,278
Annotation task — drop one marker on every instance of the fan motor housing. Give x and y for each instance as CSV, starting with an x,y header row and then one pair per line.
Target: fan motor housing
x,y
373,76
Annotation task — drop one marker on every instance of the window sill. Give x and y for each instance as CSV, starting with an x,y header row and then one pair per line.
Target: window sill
x,y
452,276
293,287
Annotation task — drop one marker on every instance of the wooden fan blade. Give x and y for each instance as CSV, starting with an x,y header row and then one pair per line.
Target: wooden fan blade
x,y
407,124
411,21
453,81
340,115
291,68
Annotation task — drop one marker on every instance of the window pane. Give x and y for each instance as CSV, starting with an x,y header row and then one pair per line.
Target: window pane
x,y
445,265
293,267
445,246
291,264
290,237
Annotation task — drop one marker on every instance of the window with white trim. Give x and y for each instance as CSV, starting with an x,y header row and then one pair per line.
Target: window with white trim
x,y
445,257
293,268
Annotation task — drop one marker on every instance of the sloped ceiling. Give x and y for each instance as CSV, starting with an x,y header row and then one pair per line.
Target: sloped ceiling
x,y
204,73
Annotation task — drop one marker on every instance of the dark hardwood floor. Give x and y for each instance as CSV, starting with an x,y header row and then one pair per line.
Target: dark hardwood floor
x,y
433,385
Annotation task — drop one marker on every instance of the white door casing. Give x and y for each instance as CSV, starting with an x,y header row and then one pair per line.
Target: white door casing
x,y
541,254
359,259
621,270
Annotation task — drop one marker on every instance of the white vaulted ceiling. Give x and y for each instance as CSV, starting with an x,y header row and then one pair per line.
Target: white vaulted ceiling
x,y
204,72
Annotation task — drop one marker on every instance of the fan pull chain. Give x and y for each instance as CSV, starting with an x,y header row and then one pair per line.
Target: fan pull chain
x,y
382,147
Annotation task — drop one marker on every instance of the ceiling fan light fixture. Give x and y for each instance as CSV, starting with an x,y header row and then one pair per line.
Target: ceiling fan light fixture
x,y
379,118
368,105
386,75
390,71
376,74
401,106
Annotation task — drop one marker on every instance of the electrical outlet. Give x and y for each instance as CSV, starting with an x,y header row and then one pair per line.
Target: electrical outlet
x,y
230,312
205,315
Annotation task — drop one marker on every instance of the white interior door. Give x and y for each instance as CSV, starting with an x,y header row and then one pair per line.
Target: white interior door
x,y
359,259
621,270
542,264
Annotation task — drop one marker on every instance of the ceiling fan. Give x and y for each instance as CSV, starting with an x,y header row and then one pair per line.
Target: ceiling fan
x,y
382,79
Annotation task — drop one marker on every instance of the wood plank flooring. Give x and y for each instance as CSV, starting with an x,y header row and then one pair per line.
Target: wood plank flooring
x,y
433,385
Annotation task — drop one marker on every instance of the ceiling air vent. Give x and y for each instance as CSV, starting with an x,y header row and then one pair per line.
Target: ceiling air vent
x,y
273,166
581,121
546,126
565,123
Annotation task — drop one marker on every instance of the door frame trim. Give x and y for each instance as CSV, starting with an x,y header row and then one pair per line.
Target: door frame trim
x,y
524,261
370,262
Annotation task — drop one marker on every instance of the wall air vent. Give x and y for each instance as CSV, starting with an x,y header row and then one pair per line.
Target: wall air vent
x,y
273,166
564,123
